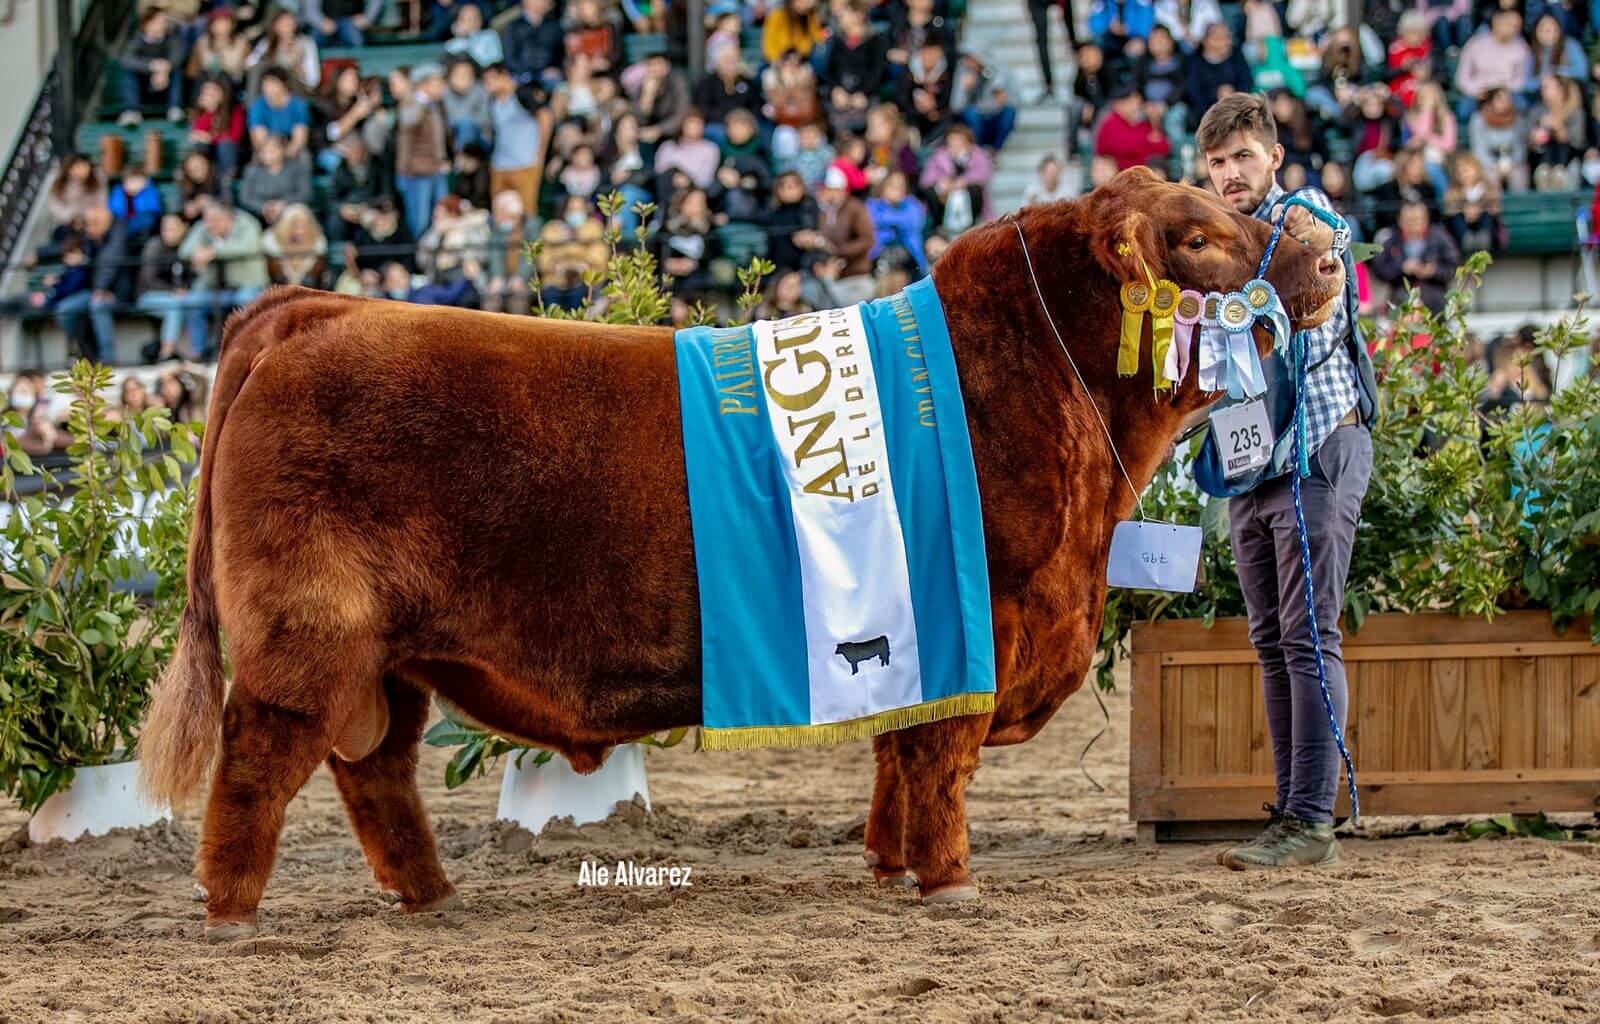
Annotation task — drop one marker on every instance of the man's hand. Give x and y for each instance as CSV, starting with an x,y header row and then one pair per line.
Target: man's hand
x,y
1300,225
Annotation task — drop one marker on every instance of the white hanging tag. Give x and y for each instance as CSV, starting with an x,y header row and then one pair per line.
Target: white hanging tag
x,y
1154,556
1243,435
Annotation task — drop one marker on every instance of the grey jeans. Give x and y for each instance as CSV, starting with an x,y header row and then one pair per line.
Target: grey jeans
x,y
1266,546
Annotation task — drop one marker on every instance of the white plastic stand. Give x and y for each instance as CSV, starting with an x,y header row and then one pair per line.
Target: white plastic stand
x,y
100,799
532,795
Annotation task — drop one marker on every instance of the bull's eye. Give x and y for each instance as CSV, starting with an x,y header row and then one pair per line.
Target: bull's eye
x,y
1197,243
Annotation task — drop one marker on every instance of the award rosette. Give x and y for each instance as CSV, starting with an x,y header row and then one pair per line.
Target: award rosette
x,y
1136,301
1213,344
1265,305
1163,308
1191,304
1246,378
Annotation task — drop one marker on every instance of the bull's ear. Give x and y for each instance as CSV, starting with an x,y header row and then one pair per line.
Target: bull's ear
x,y
1132,250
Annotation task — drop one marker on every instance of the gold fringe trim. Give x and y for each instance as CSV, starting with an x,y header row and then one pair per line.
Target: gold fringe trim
x,y
829,733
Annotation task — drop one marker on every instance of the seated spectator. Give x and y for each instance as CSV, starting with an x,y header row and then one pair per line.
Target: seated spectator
x,y
785,297
228,270
888,146
981,96
573,245
1120,27
1554,53
1373,123
812,156
341,22
594,38
925,88
856,69
1450,22
795,25
221,50
1413,47
853,160
380,237
356,184
453,251
1556,134
1517,375
395,281
686,243
1344,69
1497,58
956,179
1302,146
508,266
283,47
1273,72
198,185
691,152
97,280
646,16
152,68
1418,254
1261,23
1431,124
422,146
1337,187
466,105
136,202
270,183
469,38
840,246
581,175
41,432
1160,75
1500,140
578,96
727,87
76,190
1187,21
1127,135
661,101
295,247
178,391
278,112
470,179
218,125
1049,185
353,105
533,43
790,87
744,178
1216,71
133,398
1101,170
164,284
1472,207
1411,184
793,213
626,170
899,220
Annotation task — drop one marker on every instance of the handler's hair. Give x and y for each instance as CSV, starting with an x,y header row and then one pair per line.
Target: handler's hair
x,y
1245,112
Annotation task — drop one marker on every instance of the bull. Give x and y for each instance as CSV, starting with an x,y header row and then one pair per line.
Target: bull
x,y
398,501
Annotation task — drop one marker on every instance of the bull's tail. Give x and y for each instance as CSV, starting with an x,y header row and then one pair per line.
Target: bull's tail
x,y
183,726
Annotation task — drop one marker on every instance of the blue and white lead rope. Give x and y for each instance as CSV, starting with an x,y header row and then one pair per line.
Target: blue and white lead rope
x,y
1301,357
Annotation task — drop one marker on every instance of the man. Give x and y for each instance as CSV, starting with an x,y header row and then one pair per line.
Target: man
x,y
843,239
1127,135
1418,253
522,129
106,255
534,45
341,22
1499,58
1239,138
152,68
357,182
224,253
278,111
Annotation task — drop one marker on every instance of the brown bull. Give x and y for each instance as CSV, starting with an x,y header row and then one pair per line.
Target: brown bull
x,y
398,500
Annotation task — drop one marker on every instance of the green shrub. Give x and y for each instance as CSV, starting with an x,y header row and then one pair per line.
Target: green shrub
x,y
78,650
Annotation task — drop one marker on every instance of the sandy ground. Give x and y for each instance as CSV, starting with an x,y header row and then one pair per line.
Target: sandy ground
x,y
781,924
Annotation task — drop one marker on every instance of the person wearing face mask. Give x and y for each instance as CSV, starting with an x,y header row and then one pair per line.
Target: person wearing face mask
x,y
572,245
509,267
30,397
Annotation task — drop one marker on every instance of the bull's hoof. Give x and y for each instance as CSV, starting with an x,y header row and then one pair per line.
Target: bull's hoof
x,y
958,893
894,879
199,895
232,930
450,901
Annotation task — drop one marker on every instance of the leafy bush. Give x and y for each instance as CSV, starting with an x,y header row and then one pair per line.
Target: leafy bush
x,y
1466,512
79,650
629,290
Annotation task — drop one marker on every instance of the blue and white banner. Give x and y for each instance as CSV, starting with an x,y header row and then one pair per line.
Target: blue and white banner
x,y
837,531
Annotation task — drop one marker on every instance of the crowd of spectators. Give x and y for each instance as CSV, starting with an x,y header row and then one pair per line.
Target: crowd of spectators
x,y
848,144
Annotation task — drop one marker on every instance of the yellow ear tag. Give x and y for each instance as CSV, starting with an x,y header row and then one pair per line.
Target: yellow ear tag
x,y
1163,305
1136,299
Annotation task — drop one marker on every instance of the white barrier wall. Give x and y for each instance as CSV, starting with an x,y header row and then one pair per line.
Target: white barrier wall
x,y
27,47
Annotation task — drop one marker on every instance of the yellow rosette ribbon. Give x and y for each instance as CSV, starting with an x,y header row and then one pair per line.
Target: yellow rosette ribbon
x,y
1163,306
1136,300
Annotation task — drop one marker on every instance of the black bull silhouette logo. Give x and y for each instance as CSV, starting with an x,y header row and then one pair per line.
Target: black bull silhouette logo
x,y
855,652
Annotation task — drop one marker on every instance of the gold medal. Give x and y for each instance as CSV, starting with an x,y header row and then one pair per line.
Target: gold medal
x,y
1233,313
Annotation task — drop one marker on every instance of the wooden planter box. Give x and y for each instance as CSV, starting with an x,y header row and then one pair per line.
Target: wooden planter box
x,y
1447,716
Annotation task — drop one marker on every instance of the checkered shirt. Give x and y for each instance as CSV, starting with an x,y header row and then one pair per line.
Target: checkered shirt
x,y
1331,389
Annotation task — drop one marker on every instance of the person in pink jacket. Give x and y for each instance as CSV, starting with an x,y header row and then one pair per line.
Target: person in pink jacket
x,y
1499,57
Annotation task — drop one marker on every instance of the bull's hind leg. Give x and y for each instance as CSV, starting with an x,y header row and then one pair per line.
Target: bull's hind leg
x,y
380,794
885,836
937,761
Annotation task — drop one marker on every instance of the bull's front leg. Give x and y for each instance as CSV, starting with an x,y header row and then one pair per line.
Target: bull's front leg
x,y
886,821
936,761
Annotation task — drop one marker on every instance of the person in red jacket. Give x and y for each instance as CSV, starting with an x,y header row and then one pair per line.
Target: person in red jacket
x,y
1127,135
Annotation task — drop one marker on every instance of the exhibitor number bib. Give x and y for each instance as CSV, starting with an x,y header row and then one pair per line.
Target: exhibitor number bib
x,y
1244,437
